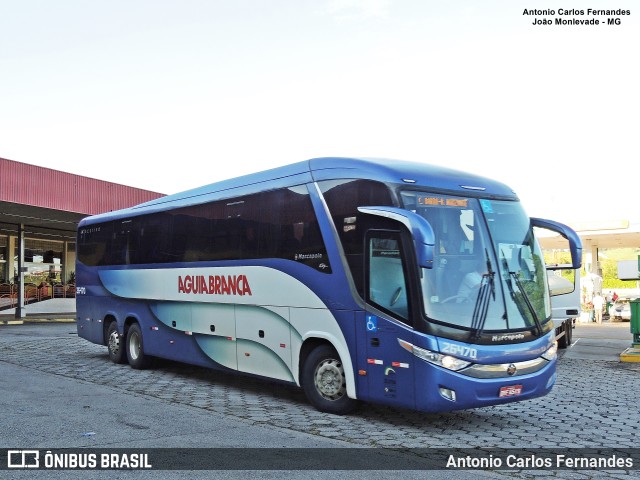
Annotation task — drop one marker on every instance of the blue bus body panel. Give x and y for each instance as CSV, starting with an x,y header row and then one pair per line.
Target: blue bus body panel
x,y
218,191
398,171
318,169
394,376
490,354
474,392
159,339
144,294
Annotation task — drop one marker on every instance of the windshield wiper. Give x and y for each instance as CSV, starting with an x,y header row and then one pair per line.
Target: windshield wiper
x,y
527,301
481,308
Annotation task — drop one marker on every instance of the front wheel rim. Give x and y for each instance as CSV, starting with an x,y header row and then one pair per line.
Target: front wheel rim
x,y
329,379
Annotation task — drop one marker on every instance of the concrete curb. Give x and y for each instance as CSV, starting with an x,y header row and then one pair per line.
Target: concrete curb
x,y
630,355
50,320
58,318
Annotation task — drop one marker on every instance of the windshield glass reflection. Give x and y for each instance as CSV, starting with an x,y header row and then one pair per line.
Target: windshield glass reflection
x,y
488,272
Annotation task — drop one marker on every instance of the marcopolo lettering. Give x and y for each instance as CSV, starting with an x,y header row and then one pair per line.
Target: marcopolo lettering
x,y
214,284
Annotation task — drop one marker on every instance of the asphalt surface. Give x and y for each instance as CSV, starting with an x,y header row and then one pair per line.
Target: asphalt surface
x,y
60,391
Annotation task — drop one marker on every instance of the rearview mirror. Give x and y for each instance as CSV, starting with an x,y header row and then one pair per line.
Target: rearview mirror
x,y
420,229
575,244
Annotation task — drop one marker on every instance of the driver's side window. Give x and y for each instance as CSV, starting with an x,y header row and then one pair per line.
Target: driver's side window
x,y
386,274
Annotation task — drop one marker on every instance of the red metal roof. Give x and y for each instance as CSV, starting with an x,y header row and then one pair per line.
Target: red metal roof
x,y
26,184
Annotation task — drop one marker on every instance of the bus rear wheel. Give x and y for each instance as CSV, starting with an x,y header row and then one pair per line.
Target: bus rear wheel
x,y
115,344
135,348
324,381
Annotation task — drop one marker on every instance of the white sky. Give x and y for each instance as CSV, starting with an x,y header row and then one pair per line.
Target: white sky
x,y
168,95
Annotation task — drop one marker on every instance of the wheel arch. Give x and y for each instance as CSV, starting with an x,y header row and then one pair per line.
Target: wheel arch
x,y
109,318
312,342
130,320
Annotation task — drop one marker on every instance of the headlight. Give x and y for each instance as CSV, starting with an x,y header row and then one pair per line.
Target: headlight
x,y
551,352
445,361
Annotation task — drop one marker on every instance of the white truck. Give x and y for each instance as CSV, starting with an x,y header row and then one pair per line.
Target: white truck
x,y
565,303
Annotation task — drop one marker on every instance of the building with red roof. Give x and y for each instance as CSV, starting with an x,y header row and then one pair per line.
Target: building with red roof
x,y
39,212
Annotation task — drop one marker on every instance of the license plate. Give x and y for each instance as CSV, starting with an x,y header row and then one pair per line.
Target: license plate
x,y
510,391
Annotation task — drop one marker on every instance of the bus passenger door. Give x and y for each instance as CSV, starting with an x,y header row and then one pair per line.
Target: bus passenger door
x,y
389,367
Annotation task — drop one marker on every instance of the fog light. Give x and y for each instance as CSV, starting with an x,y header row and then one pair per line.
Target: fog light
x,y
448,394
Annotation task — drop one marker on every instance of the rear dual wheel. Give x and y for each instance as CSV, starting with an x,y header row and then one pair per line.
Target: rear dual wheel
x,y
115,344
135,348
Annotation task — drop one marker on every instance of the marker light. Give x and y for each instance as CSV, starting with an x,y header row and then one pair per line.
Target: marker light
x,y
551,381
445,361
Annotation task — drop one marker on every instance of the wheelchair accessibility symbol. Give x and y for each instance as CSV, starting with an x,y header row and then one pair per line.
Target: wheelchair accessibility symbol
x,y
372,324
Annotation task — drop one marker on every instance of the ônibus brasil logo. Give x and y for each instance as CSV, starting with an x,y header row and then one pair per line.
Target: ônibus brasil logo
x,y
214,284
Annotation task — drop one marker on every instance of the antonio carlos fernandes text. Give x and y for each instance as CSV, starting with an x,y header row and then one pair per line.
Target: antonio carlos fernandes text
x,y
533,461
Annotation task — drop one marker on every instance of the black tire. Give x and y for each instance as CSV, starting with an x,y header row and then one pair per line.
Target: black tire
x,y
324,381
115,344
135,348
569,332
562,341
565,340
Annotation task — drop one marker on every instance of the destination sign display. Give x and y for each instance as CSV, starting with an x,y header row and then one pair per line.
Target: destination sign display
x,y
443,201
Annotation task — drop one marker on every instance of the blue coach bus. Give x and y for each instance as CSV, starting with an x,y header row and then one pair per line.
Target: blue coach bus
x,y
357,279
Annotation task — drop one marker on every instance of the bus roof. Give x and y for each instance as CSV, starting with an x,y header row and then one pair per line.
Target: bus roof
x,y
329,168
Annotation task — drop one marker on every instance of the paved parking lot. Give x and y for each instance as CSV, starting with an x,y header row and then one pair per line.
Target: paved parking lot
x,y
593,405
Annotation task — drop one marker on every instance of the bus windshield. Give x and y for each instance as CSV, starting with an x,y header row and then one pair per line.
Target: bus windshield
x,y
488,273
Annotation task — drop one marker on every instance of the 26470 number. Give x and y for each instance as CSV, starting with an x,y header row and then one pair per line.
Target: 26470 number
x,y
459,350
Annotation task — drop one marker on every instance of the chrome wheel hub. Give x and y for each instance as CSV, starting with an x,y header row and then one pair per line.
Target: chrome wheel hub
x,y
134,346
114,342
329,379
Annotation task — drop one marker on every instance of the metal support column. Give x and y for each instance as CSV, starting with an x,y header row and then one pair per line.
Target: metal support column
x,y
20,313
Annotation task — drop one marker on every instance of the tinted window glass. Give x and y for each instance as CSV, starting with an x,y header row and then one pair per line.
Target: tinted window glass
x,y
387,288
94,244
293,232
343,197
277,224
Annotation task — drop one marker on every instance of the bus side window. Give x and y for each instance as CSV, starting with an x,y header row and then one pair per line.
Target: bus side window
x,y
386,274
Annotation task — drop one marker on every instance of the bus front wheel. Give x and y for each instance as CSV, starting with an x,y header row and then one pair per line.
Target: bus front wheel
x,y
115,344
135,348
324,381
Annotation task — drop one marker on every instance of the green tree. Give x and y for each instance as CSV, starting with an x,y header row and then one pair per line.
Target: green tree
x,y
559,257
609,259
